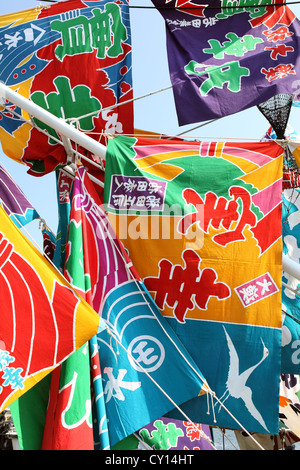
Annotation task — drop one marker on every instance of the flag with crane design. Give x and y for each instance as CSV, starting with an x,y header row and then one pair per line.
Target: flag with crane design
x,y
207,218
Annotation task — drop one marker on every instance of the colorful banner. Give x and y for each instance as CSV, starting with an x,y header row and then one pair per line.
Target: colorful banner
x,y
247,55
202,224
69,424
144,367
166,434
69,420
35,299
73,59
14,202
29,412
290,297
290,402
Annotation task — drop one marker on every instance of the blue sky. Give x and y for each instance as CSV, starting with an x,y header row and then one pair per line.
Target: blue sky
x,y
154,113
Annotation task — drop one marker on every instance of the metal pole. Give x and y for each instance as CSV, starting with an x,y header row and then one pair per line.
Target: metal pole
x,y
291,267
59,125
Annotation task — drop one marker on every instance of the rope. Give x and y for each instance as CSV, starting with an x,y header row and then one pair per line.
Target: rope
x,y
204,6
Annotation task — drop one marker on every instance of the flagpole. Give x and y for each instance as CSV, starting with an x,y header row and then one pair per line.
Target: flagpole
x,y
291,266
58,124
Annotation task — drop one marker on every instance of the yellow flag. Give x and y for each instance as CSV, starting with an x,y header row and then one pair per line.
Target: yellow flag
x,y
42,319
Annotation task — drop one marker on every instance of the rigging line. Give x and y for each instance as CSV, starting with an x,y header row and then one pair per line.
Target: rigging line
x,y
221,7
297,320
197,127
154,381
212,7
224,436
164,136
172,401
208,390
121,103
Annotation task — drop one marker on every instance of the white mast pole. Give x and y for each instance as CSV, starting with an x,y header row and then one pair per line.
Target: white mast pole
x,y
59,125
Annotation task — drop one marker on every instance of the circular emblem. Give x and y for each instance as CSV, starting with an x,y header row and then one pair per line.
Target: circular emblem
x,y
146,353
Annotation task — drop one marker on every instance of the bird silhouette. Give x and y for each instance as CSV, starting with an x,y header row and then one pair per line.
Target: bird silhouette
x,y
236,382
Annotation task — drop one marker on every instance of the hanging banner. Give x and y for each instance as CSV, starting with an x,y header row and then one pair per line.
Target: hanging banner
x,y
14,202
145,370
73,59
43,320
290,297
166,434
69,422
290,402
247,55
202,224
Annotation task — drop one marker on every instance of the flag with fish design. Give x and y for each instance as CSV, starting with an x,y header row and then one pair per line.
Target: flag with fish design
x,y
73,59
247,55
35,299
202,224
144,367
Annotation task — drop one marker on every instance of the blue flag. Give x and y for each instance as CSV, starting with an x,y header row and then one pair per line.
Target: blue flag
x,y
290,362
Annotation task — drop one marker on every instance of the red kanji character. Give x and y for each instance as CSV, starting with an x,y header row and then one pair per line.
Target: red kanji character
x,y
193,430
177,286
274,15
247,217
279,35
280,71
280,49
219,212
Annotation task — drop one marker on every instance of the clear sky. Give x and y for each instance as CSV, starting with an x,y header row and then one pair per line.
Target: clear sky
x,y
154,113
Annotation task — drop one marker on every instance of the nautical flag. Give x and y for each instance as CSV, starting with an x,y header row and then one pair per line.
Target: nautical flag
x,y
73,59
14,202
30,410
43,320
224,59
201,222
290,402
290,297
64,186
166,434
69,421
145,371
290,361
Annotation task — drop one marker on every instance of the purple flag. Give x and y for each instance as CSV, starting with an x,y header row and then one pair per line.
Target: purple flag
x,y
224,59
14,202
